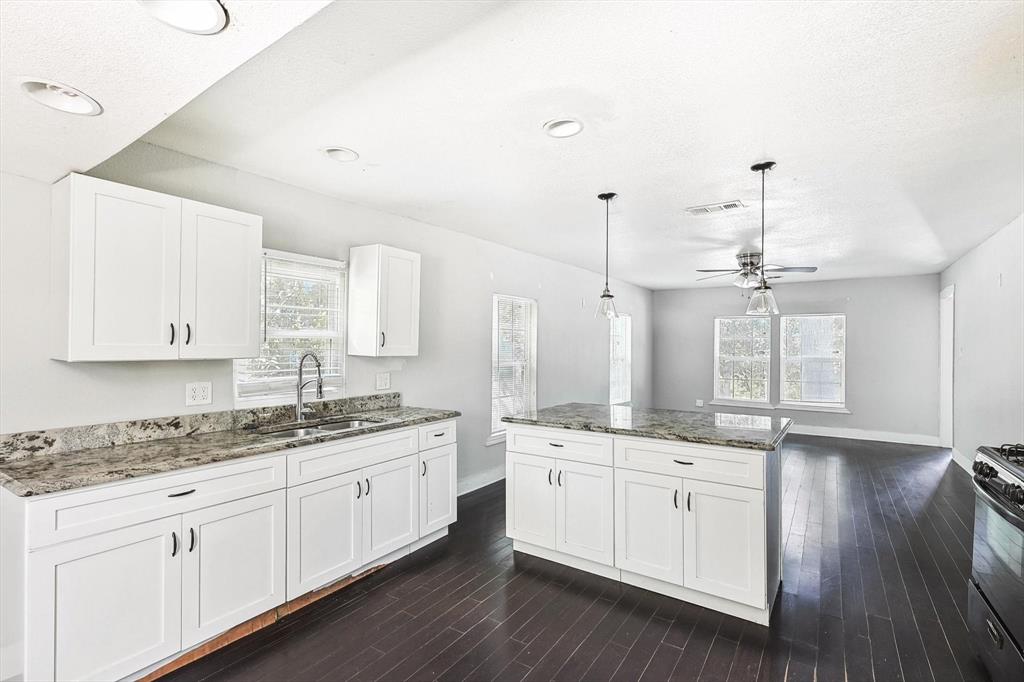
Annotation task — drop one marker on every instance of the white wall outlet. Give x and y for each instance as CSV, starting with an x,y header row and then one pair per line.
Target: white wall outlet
x,y
700,403
199,393
383,381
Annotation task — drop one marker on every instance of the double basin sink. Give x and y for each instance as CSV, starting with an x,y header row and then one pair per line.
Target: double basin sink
x,y
319,429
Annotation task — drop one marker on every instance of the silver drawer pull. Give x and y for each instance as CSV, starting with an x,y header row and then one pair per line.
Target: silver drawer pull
x,y
183,493
557,445
679,461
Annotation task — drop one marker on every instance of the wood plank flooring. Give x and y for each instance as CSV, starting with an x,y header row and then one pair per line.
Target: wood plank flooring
x,y
877,556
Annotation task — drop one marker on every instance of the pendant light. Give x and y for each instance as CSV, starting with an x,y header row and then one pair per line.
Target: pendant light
x,y
606,305
762,300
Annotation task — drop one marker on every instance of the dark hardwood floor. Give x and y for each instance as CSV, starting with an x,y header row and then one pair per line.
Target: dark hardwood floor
x,y
877,556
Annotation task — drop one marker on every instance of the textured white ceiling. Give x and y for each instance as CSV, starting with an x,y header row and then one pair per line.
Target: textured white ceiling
x,y
897,126
139,70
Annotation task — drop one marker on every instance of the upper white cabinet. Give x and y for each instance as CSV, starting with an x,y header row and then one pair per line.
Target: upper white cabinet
x,y
140,275
384,301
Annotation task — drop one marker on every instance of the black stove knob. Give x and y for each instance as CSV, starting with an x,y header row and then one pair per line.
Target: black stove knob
x,y
983,470
976,467
1015,494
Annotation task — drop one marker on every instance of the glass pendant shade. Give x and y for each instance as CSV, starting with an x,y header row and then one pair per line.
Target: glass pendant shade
x,y
745,280
606,306
762,301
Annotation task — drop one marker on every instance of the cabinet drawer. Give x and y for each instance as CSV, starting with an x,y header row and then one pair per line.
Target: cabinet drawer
x,y
339,457
78,514
435,435
704,463
560,443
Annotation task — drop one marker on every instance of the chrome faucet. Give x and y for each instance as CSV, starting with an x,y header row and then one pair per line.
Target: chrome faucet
x,y
300,411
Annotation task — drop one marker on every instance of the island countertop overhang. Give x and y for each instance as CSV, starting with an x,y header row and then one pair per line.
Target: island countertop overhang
x,y
750,432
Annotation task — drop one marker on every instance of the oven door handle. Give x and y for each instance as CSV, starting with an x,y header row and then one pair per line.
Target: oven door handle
x,y
1004,510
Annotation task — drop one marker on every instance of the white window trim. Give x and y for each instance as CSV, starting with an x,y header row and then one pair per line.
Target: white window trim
x,y
499,435
288,398
761,404
809,406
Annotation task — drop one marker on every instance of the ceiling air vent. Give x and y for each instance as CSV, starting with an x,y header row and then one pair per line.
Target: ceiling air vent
x,y
720,207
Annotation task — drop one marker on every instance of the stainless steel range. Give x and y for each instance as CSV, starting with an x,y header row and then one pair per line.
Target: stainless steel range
x,y
996,589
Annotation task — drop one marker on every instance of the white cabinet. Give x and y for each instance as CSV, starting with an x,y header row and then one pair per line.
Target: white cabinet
x,y
105,606
390,507
220,282
140,275
234,564
325,531
530,507
384,301
724,541
438,481
585,511
649,525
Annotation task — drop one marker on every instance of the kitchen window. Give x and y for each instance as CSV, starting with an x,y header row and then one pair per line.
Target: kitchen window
x,y
303,309
620,360
813,360
742,359
513,360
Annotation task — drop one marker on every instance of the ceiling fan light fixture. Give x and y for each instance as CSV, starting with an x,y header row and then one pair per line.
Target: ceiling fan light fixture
x,y
762,301
745,280
201,17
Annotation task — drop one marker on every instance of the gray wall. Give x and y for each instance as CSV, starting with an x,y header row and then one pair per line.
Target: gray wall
x,y
892,351
459,275
988,330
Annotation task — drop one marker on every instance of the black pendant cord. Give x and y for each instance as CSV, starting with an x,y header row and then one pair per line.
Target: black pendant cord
x,y
607,202
763,261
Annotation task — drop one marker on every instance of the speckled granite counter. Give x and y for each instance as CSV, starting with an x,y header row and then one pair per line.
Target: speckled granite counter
x,y
752,432
47,473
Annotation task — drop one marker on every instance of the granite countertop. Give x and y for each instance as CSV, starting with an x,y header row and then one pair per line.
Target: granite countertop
x,y
747,431
41,474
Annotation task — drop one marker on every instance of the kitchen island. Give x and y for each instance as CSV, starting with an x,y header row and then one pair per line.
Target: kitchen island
x,y
681,503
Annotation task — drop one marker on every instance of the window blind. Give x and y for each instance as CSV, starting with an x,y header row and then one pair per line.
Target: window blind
x,y
620,362
303,310
513,358
742,358
814,359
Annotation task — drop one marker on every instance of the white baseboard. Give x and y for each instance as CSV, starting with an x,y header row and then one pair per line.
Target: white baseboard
x,y
864,434
468,485
964,461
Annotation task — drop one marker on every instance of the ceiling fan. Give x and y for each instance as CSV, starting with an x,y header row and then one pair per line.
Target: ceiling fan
x,y
752,271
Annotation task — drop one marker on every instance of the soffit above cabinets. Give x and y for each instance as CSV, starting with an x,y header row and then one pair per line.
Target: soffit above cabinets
x,y
896,126
139,70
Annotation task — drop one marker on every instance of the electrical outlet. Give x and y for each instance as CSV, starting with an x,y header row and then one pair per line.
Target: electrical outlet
x,y
700,403
383,381
198,393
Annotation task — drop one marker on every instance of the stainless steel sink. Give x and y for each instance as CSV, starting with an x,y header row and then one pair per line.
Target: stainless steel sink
x,y
346,424
295,433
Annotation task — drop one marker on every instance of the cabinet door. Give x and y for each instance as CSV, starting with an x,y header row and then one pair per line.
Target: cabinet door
x,y
649,524
325,531
724,542
124,259
390,507
438,481
233,564
399,302
530,499
585,516
221,253
103,607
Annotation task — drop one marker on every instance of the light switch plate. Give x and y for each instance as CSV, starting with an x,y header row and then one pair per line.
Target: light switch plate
x,y
383,381
199,393
700,403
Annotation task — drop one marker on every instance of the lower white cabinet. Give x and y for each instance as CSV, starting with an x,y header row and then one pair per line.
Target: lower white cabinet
x,y
390,507
438,482
649,524
325,531
724,541
104,606
562,505
233,564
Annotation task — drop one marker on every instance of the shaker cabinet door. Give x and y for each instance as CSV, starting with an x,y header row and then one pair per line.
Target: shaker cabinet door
x,y
530,499
438,501
399,301
585,515
390,506
649,524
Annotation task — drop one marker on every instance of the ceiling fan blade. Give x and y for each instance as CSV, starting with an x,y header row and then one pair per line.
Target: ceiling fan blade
x,y
730,270
784,268
721,274
773,276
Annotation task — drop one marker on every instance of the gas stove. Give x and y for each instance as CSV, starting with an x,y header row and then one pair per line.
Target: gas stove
x,y
1008,459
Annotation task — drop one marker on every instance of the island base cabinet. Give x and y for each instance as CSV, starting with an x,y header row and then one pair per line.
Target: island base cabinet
x,y
325,531
649,525
391,507
105,606
724,541
438,482
233,564
584,514
530,499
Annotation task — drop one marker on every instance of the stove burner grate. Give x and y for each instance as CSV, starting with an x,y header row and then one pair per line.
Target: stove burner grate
x,y
1013,452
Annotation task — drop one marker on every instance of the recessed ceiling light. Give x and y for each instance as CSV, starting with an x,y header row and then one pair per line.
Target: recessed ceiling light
x,y
61,97
343,154
203,17
563,127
